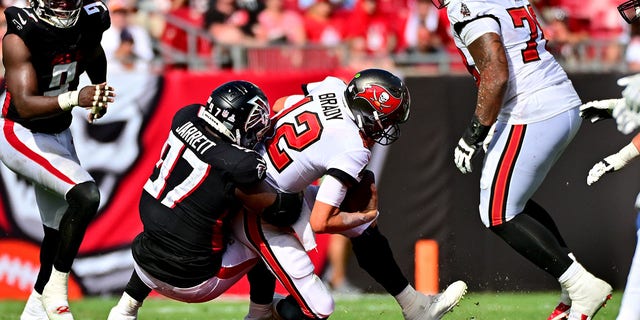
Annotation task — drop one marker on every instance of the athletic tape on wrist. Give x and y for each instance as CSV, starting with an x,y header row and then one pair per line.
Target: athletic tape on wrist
x,y
68,100
628,152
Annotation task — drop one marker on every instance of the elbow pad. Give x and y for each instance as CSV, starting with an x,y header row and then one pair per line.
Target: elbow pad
x,y
285,210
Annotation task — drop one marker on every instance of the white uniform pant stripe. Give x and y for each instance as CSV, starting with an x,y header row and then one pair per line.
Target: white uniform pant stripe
x,y
539,147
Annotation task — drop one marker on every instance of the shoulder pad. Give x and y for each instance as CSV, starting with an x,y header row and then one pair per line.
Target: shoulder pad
x,y
20,20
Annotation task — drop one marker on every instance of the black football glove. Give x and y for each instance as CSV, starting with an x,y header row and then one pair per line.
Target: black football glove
x,y
471,140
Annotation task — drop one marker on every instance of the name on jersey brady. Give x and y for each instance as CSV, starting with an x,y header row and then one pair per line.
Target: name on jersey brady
x,y
329,104
196,139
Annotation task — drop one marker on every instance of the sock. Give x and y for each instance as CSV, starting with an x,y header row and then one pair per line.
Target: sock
x,y
572,274
128,304
262,284
535,242
136,288
257,310
406,297
374,255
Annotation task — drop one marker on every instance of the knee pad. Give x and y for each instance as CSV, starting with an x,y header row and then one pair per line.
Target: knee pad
x,y
85,198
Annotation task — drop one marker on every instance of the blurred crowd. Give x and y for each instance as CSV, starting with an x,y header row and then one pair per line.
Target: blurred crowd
x,y
364,33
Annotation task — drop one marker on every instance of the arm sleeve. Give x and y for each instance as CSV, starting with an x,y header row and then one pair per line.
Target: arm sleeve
x,y
476,28
332,191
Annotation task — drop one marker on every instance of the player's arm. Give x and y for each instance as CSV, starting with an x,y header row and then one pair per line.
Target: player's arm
x,y
277,208
491,62
22,83
97,66
326,215
615,161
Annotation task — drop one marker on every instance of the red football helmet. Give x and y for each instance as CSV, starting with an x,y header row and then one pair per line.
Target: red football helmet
x,y
630,10
379,101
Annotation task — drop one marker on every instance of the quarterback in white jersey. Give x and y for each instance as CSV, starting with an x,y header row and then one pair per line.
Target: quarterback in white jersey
x,y
524,93
326,133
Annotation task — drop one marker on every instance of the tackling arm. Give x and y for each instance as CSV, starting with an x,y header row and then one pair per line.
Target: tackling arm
x,y
615,161
277,208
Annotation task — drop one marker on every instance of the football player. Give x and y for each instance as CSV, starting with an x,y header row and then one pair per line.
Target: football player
x,y
46,48
627,116
327,132
527,94
206,173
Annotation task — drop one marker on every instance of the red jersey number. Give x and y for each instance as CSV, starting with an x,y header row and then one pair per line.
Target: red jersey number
x,y
295,139
519,16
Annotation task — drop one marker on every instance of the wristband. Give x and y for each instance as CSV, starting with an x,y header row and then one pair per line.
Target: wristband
x,y
68,100
627,153
476,132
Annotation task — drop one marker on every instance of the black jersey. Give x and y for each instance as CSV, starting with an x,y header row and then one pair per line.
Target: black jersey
x,y
59,56
188,200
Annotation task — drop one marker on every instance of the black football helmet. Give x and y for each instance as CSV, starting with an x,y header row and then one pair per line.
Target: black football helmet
x,y
239,112
379,102
58,13
630,10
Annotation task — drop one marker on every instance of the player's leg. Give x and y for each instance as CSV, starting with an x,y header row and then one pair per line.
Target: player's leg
x,y
374,255
514,168
629,307
50,162
134,294
286,258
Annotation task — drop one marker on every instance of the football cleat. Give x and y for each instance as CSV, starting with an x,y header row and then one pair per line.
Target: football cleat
x,y
561,312
257,313
588,297
34,310
434,307
54,296
117,314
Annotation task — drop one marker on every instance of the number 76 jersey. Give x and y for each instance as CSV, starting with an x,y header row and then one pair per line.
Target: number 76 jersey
x,y
538,87
313,136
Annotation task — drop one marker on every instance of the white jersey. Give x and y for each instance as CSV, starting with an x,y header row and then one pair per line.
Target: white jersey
x,y
314,136
538,87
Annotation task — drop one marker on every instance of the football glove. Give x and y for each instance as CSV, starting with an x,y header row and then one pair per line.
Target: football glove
x,y
612,163
631,92
471,140
598,110
626,119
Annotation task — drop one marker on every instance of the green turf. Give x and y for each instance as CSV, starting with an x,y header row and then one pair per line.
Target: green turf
x,y
475,306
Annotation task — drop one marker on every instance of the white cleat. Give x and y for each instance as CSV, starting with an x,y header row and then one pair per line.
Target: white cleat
x,y
434,307
126,309
445,301
54,297
117,314
34,310
590,296
263,312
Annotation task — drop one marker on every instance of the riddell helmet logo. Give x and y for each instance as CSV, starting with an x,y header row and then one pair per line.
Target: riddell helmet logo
x,y
380,98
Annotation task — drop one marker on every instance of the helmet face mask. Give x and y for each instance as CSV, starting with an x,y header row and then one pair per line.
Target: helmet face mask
x,y
630,10
239,112
379,102
58,13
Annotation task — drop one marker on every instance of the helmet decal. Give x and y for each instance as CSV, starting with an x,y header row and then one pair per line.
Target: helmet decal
x,y
258,117
380,98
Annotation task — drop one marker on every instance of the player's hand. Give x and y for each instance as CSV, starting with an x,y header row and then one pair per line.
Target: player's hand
x,y
472,139
96,98
463,155
611,163
598,110
487,140
626,119
631,92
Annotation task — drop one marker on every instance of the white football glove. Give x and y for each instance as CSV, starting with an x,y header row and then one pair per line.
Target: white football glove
x,y
463,155
597,110
631,92
612,163
626,119
487,140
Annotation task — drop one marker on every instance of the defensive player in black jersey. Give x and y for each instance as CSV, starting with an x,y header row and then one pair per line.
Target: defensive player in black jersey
x,y
46,48
206,173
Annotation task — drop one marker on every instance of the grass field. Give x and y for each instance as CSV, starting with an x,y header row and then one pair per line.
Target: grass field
x,y
475,306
